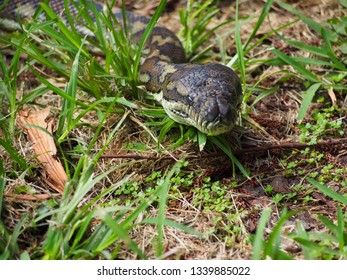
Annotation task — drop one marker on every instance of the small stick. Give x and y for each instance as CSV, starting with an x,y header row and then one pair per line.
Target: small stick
x,y
291,145
246,151
31,197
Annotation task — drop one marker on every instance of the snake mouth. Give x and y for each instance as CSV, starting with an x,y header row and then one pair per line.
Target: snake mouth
x,y
186,115
182,115
215,128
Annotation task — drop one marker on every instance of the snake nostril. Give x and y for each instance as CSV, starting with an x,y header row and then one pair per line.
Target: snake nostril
x,y
224,109
213,112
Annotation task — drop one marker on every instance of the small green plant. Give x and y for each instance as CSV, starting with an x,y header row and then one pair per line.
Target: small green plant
x,y
216,198
268,189
212,196
325,123
280,198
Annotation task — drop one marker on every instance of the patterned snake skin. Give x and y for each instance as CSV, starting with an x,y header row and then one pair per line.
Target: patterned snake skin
x,y
206,96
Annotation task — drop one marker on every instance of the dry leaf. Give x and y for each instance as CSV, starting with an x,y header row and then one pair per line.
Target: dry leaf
x,y
332,95
39,134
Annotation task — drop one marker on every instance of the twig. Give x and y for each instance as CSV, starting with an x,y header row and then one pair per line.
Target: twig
x,y
241,152
291,145
31,197
139,157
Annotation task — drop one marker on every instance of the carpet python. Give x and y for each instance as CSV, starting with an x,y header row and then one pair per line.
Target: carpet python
x,y
206,96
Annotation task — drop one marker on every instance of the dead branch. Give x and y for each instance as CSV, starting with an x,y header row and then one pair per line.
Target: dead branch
x,y
252,151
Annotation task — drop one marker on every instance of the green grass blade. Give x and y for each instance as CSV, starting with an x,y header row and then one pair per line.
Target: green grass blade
x,y
301,233
83,225
301,60
310,22
110,136
67,112
94,106
4,234
258,243
261,40
123,234
338,64
328,223
341,235
263,15
169,124
305,242
307,100
195,20
13,242
189,134
164,188
297,66
14,154
170,223
2,185
328,192
147,33
8,87
204,37
202,140
52,244
272,246
239,47
73,37
56,89
302,46
2,5
221,143
263,94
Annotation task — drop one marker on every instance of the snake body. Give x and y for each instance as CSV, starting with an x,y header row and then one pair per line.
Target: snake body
x,y
206,96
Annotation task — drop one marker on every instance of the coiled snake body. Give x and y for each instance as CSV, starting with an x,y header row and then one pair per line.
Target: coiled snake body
x,y
206,96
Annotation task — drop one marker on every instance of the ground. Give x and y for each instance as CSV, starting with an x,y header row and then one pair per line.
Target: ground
x,y
207,192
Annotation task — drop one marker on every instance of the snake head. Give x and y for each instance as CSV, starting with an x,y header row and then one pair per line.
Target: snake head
x,y
207,97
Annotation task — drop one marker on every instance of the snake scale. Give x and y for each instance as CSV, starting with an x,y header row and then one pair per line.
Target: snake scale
x,y
206,96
